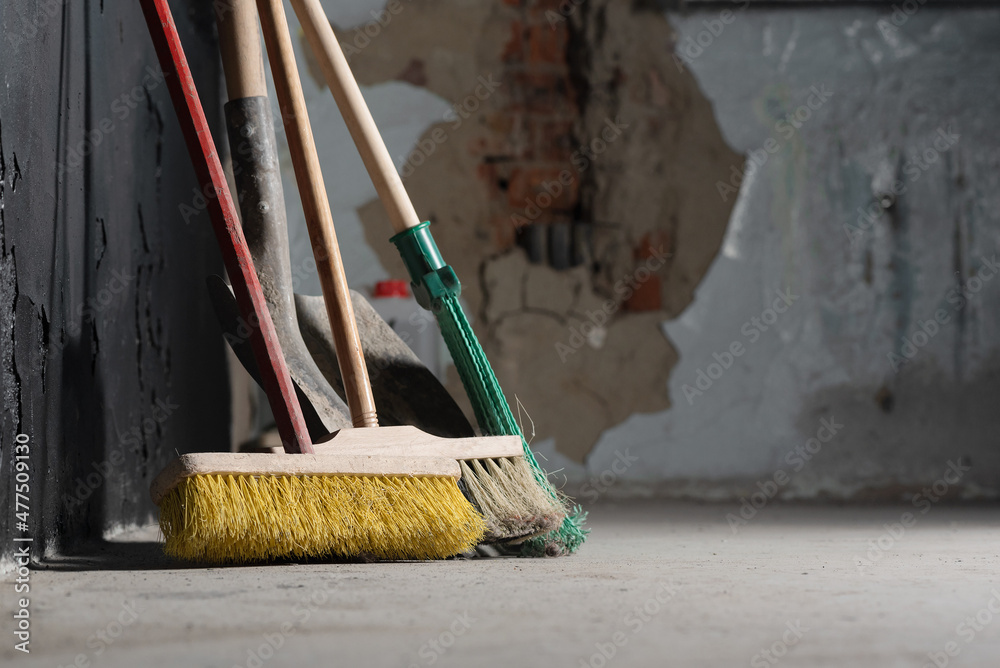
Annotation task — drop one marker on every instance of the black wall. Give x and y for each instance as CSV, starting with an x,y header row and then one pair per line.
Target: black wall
x,y
110,357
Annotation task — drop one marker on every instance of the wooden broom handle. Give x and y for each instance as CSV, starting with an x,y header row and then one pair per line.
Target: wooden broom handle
x,y
316,206
222,210
356,115
239,42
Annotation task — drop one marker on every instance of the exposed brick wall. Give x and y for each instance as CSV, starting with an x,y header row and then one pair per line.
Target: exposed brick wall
x,y
530,174
606,154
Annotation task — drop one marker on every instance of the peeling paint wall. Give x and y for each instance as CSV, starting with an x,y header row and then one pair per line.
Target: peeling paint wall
x,y
877,209
565,165
110,358
711,385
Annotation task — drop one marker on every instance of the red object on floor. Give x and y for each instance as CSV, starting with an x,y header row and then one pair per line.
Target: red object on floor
x,y
392,288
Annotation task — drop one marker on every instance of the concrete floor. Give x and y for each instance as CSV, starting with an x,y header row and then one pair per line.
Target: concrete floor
x,y
656,585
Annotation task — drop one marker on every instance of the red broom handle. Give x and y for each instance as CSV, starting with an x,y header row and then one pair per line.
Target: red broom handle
x,y
274,373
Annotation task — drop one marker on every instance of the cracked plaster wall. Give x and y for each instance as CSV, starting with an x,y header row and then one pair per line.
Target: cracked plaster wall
x,y
579,355
863,286
693,121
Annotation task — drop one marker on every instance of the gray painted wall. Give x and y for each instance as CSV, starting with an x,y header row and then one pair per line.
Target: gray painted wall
x,y
110,357
912,104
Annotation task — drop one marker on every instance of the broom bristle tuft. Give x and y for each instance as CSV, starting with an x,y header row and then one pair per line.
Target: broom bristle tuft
x,y
513,504
237,519
495,418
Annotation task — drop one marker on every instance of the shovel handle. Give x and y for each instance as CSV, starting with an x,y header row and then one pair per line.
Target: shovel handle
x,y
358,118
226,224
319,220
239,43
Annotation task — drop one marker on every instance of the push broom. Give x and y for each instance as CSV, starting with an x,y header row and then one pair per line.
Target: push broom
x,y
437,288
496,480
238,507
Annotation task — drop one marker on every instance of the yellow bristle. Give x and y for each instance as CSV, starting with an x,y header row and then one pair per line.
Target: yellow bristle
x,y
237,519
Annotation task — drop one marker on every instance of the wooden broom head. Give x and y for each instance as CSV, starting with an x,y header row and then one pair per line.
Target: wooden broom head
x,y
281,464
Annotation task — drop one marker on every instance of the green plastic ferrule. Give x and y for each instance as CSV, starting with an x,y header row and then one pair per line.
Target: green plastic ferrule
x,y
432,279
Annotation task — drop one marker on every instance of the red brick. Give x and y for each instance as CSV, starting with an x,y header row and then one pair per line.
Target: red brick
x,y
514,49
550,12
547,44
543,188
659,241
517,188
646,296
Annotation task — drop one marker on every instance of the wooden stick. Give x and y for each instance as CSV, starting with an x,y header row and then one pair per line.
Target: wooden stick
x,y
274,373
317,211
409,441
239,42
262,464
356,115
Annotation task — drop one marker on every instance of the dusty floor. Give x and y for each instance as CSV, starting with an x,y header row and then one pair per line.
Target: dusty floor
x,y
656,585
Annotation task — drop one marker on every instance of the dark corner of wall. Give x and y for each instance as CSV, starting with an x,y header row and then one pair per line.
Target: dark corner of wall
x,y
111,361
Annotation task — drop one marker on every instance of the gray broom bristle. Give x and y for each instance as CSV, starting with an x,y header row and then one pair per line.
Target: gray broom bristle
x,y
514,505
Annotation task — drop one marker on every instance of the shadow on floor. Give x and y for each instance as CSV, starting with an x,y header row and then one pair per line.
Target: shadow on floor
x,y
147,555
105,555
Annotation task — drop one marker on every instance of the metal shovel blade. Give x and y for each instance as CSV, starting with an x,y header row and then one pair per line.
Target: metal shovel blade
x,y
406,391
323,410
